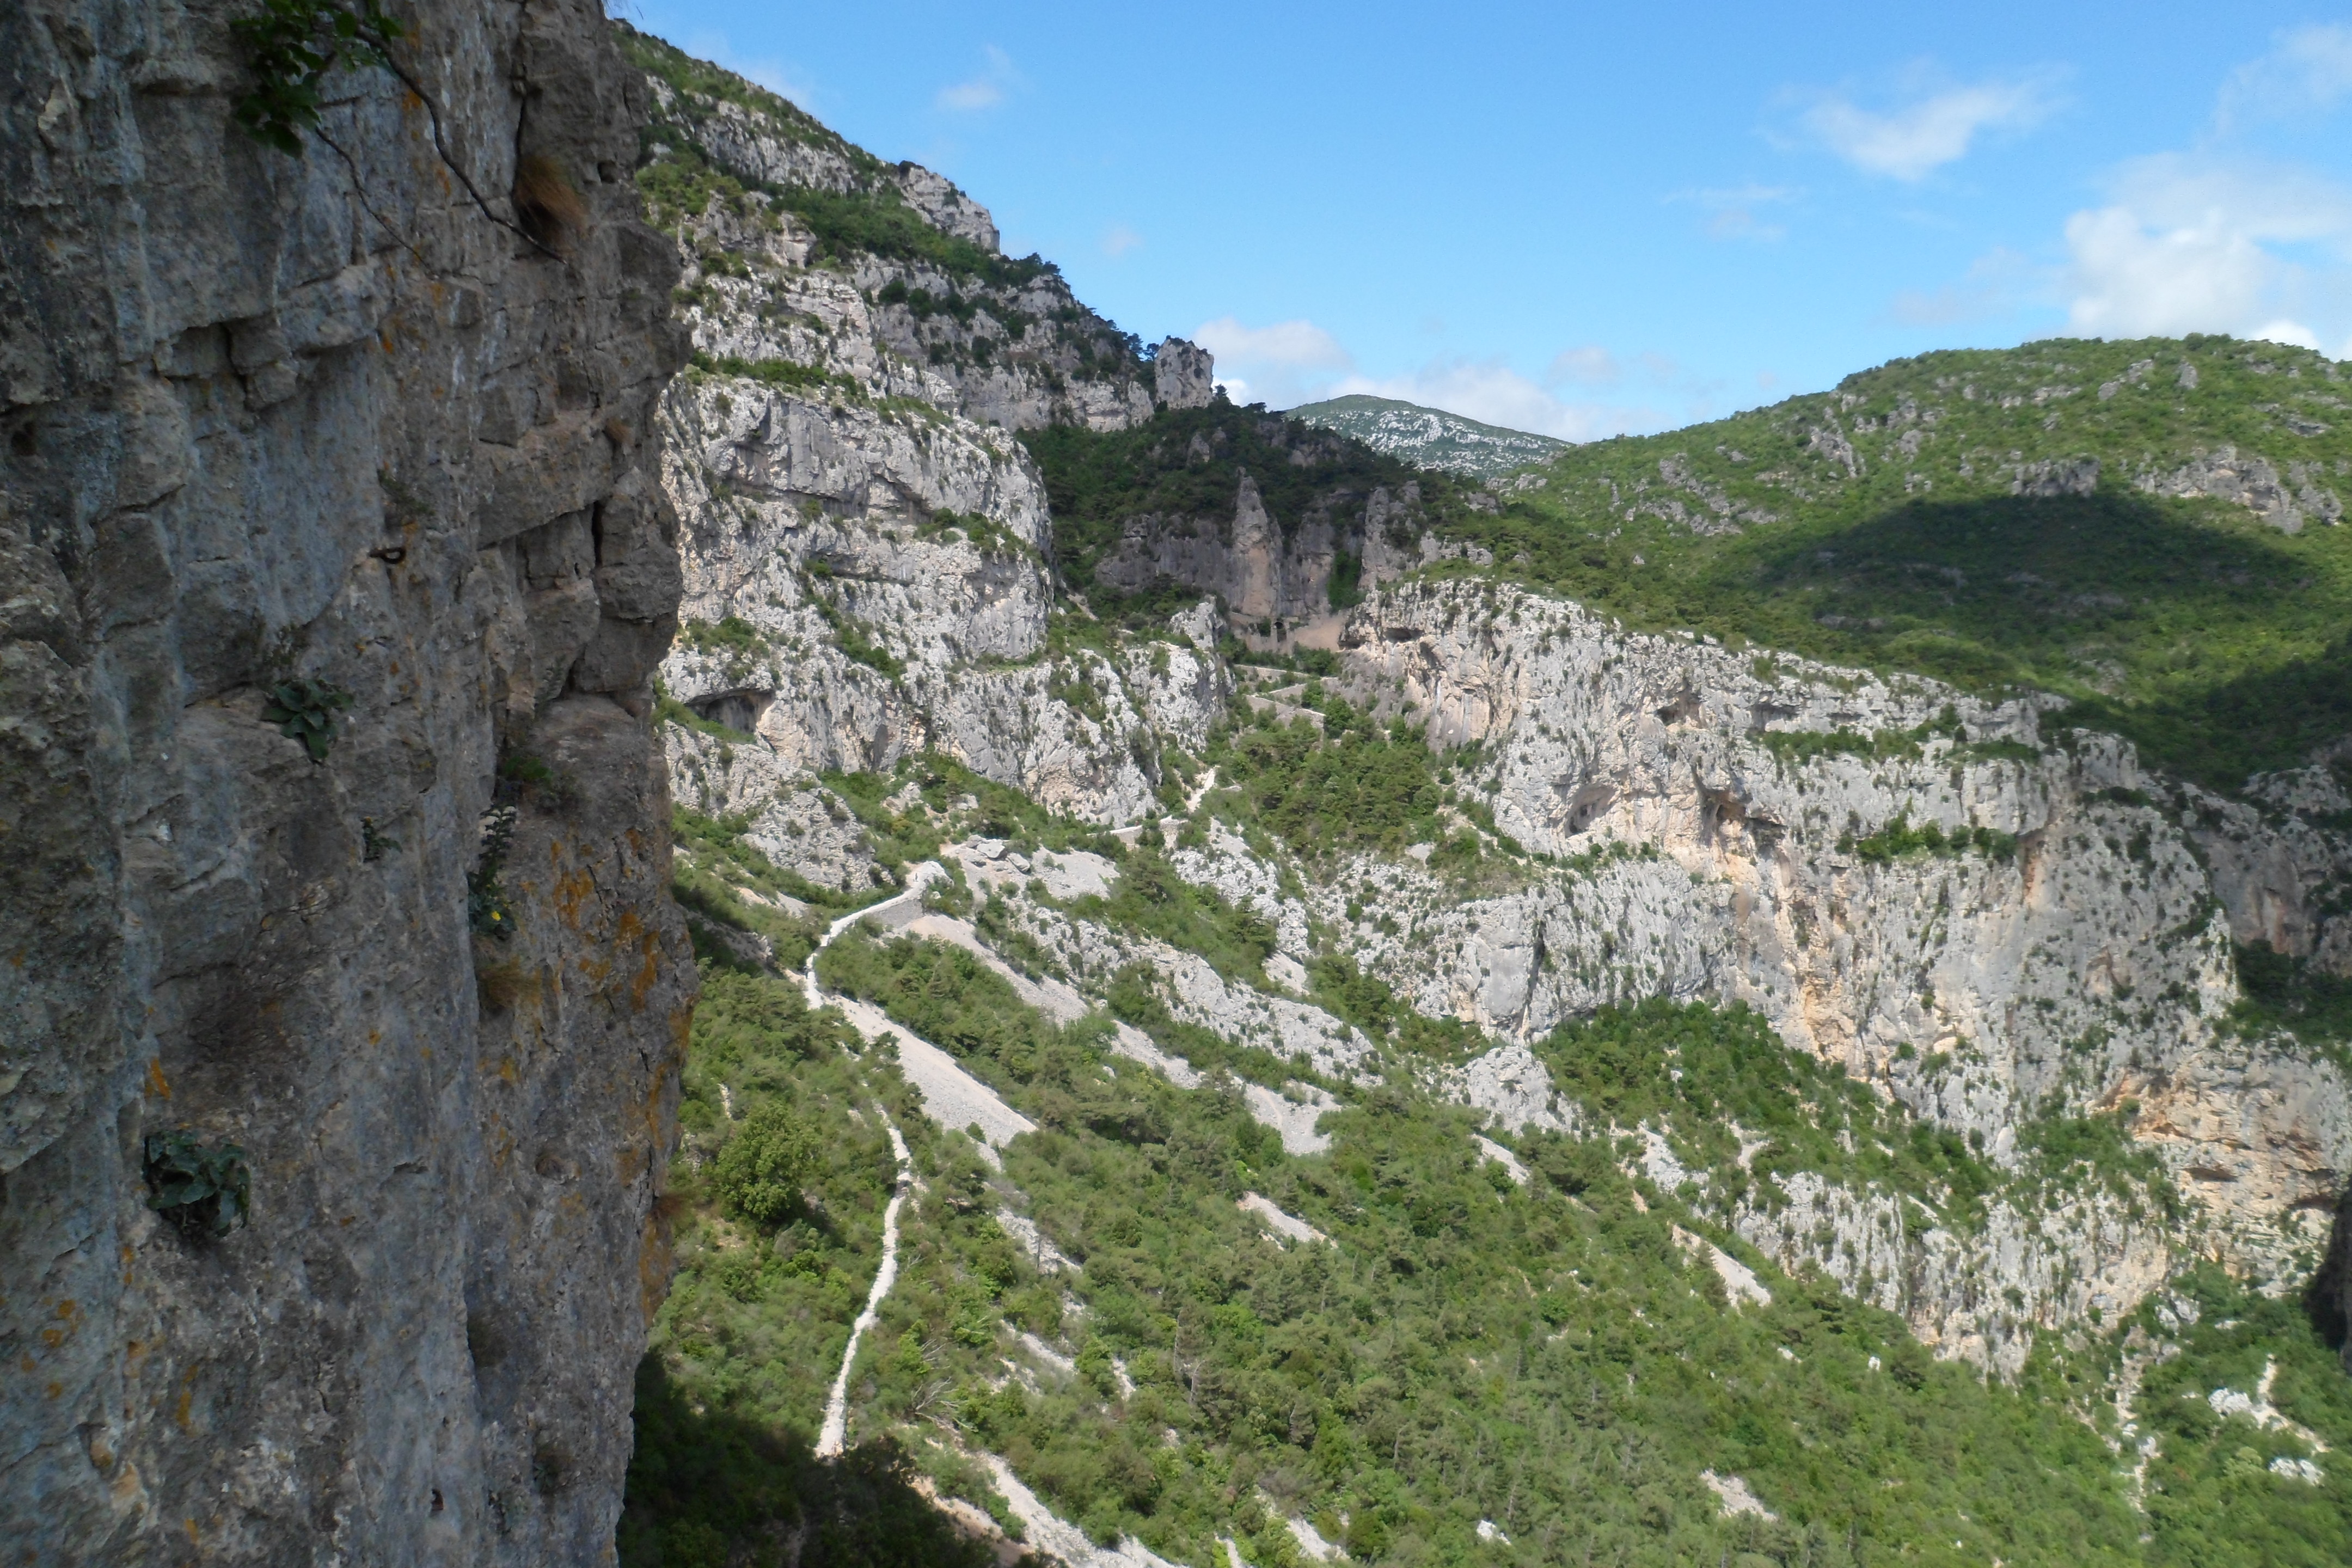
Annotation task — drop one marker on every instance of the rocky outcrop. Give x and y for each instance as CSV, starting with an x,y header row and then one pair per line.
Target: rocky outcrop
x,y
1274,577
865,542
2061,942
946,208
1182,375
320,433
2252,481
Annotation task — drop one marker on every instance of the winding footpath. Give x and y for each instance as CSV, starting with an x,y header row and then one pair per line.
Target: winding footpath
x,y
833,1434
835,1430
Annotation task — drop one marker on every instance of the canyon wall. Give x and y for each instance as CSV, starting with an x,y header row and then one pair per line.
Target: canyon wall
x,y
869,575
330,434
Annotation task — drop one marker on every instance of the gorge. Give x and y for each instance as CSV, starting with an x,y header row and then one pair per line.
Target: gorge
x,y
609,715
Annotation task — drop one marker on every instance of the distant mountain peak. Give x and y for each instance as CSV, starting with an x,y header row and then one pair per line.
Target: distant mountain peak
x,y
1429,437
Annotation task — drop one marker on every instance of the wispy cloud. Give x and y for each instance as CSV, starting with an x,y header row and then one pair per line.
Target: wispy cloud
x,y
2308,72
1996,283
1592,366
997,80
779,76
1285,364
1734,214
1119,239
1925,124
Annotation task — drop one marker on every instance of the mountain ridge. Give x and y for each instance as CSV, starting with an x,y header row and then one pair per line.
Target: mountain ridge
x,y
1429,438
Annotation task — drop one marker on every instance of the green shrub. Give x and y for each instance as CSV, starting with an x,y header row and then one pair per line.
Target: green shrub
x,y
760,1169
203,1189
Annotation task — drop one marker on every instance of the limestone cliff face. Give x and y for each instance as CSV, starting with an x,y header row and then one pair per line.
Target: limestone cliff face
x,y
2086,967
1273,580
865,540
270,419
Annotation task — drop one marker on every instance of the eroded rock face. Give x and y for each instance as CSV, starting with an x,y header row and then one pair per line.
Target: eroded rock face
x,y
2088,966
271,418
865,540
1274,582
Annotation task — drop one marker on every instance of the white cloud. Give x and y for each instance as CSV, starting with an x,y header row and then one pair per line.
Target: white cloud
x,y
997,78
1493,394
2285,332
1119,239
1932,128
1288,345
2306,73
2197,244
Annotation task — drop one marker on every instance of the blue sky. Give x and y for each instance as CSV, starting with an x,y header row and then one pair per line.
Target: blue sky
x,y
1584,219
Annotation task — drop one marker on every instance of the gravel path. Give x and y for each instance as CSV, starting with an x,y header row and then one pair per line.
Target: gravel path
x,y
836,1403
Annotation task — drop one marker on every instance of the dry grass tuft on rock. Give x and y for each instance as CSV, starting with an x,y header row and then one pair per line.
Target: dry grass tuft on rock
x,y
546,204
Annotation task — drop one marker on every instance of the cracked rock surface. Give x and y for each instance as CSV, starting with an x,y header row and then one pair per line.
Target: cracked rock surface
x,y
272,418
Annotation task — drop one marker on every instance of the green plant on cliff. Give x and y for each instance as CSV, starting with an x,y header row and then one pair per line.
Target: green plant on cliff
x,y
487,911
290,48
203,1189
760,1170
304,709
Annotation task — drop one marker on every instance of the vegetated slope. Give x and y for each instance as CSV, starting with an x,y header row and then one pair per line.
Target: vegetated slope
x,y
1378,960
2146,528
1429,437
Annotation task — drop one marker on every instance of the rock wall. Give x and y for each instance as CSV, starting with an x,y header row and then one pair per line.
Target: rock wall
x,y
865,543
2074,954
271,418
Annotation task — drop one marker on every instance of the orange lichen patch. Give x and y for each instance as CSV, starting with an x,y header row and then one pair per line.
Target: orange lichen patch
x,y
184,1414
656,1262
571,892
156,1084
508,1071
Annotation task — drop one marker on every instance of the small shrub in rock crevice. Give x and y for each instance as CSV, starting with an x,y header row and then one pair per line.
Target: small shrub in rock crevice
x,y
304,709
486,901
203,1191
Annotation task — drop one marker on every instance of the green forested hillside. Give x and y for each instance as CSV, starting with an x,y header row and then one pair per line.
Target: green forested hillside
x,y
1942,515
1555,1359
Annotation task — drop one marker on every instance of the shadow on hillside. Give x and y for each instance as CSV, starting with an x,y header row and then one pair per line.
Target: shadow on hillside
x,y
2072,593
706,1489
